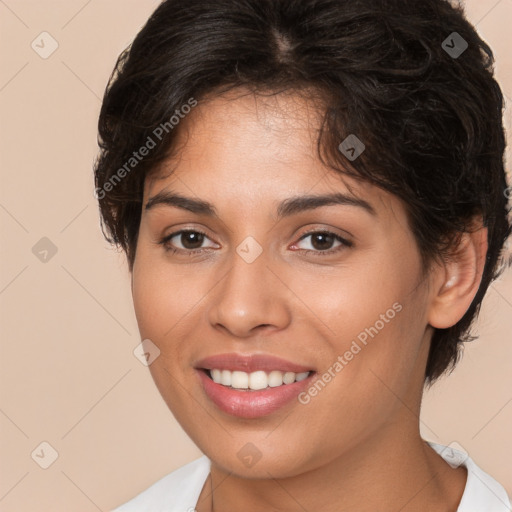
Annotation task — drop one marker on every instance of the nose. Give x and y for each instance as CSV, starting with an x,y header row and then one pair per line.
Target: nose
x,y
250,298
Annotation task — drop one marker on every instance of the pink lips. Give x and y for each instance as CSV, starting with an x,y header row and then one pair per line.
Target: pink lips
x,y
248,403
250,363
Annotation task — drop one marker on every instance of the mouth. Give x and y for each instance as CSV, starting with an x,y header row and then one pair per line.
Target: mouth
x,y
249,403
254,381
252,386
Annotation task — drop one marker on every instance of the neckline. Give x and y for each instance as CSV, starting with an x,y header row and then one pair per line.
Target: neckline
x,y
480,490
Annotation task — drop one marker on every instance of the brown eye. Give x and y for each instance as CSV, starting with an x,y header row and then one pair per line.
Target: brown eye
x,y
186,241
191,239
323,242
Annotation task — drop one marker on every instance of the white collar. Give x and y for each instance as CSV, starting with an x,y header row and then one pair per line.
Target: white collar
x,y
482,493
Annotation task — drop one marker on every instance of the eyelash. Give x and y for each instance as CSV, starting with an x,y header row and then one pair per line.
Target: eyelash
x,y
191,252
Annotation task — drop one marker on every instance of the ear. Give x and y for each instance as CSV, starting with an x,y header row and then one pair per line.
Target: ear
x,y
456,282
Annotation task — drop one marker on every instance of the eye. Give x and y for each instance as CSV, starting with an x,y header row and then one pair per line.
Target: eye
x,y
323,243
191,241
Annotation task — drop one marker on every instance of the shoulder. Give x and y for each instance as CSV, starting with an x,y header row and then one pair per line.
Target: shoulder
x,y
482,491
176,492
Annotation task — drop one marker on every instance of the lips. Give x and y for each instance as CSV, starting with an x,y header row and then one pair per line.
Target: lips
x,y
250,403
250,363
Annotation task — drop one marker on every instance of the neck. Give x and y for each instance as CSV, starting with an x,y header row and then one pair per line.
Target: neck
x,y
399,472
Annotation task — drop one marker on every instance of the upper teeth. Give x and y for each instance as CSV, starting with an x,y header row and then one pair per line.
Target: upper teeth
x,y
255,380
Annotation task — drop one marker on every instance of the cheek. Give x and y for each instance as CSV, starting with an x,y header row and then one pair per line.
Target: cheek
x,y
382,357
164,302
159,295
376,321
361,298
369,373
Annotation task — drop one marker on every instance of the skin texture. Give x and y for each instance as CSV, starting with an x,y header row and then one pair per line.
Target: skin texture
x,y
245,154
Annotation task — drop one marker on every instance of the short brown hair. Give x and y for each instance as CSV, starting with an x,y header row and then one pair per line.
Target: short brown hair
x,y
430,117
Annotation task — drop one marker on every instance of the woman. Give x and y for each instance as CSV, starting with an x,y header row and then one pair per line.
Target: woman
x,y
312,201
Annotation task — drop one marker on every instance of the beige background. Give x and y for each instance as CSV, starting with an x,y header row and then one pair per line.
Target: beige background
x,y
68,373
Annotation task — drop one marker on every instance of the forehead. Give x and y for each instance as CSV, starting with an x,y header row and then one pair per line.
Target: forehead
x,y
247,148
240,126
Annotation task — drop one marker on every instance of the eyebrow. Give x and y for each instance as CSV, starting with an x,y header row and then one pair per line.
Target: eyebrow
x,y
286,208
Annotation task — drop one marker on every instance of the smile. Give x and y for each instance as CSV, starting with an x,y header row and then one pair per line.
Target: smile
x,y
255,380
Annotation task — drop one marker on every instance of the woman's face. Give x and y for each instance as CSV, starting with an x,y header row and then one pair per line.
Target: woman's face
x,y
348,303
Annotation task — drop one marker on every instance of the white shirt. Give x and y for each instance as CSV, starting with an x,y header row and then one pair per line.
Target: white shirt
x,y
180,490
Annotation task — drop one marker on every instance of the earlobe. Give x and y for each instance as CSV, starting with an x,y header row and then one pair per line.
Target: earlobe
x,y
459,283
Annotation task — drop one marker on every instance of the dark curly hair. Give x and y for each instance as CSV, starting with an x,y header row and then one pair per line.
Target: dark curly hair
x,y
395,72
